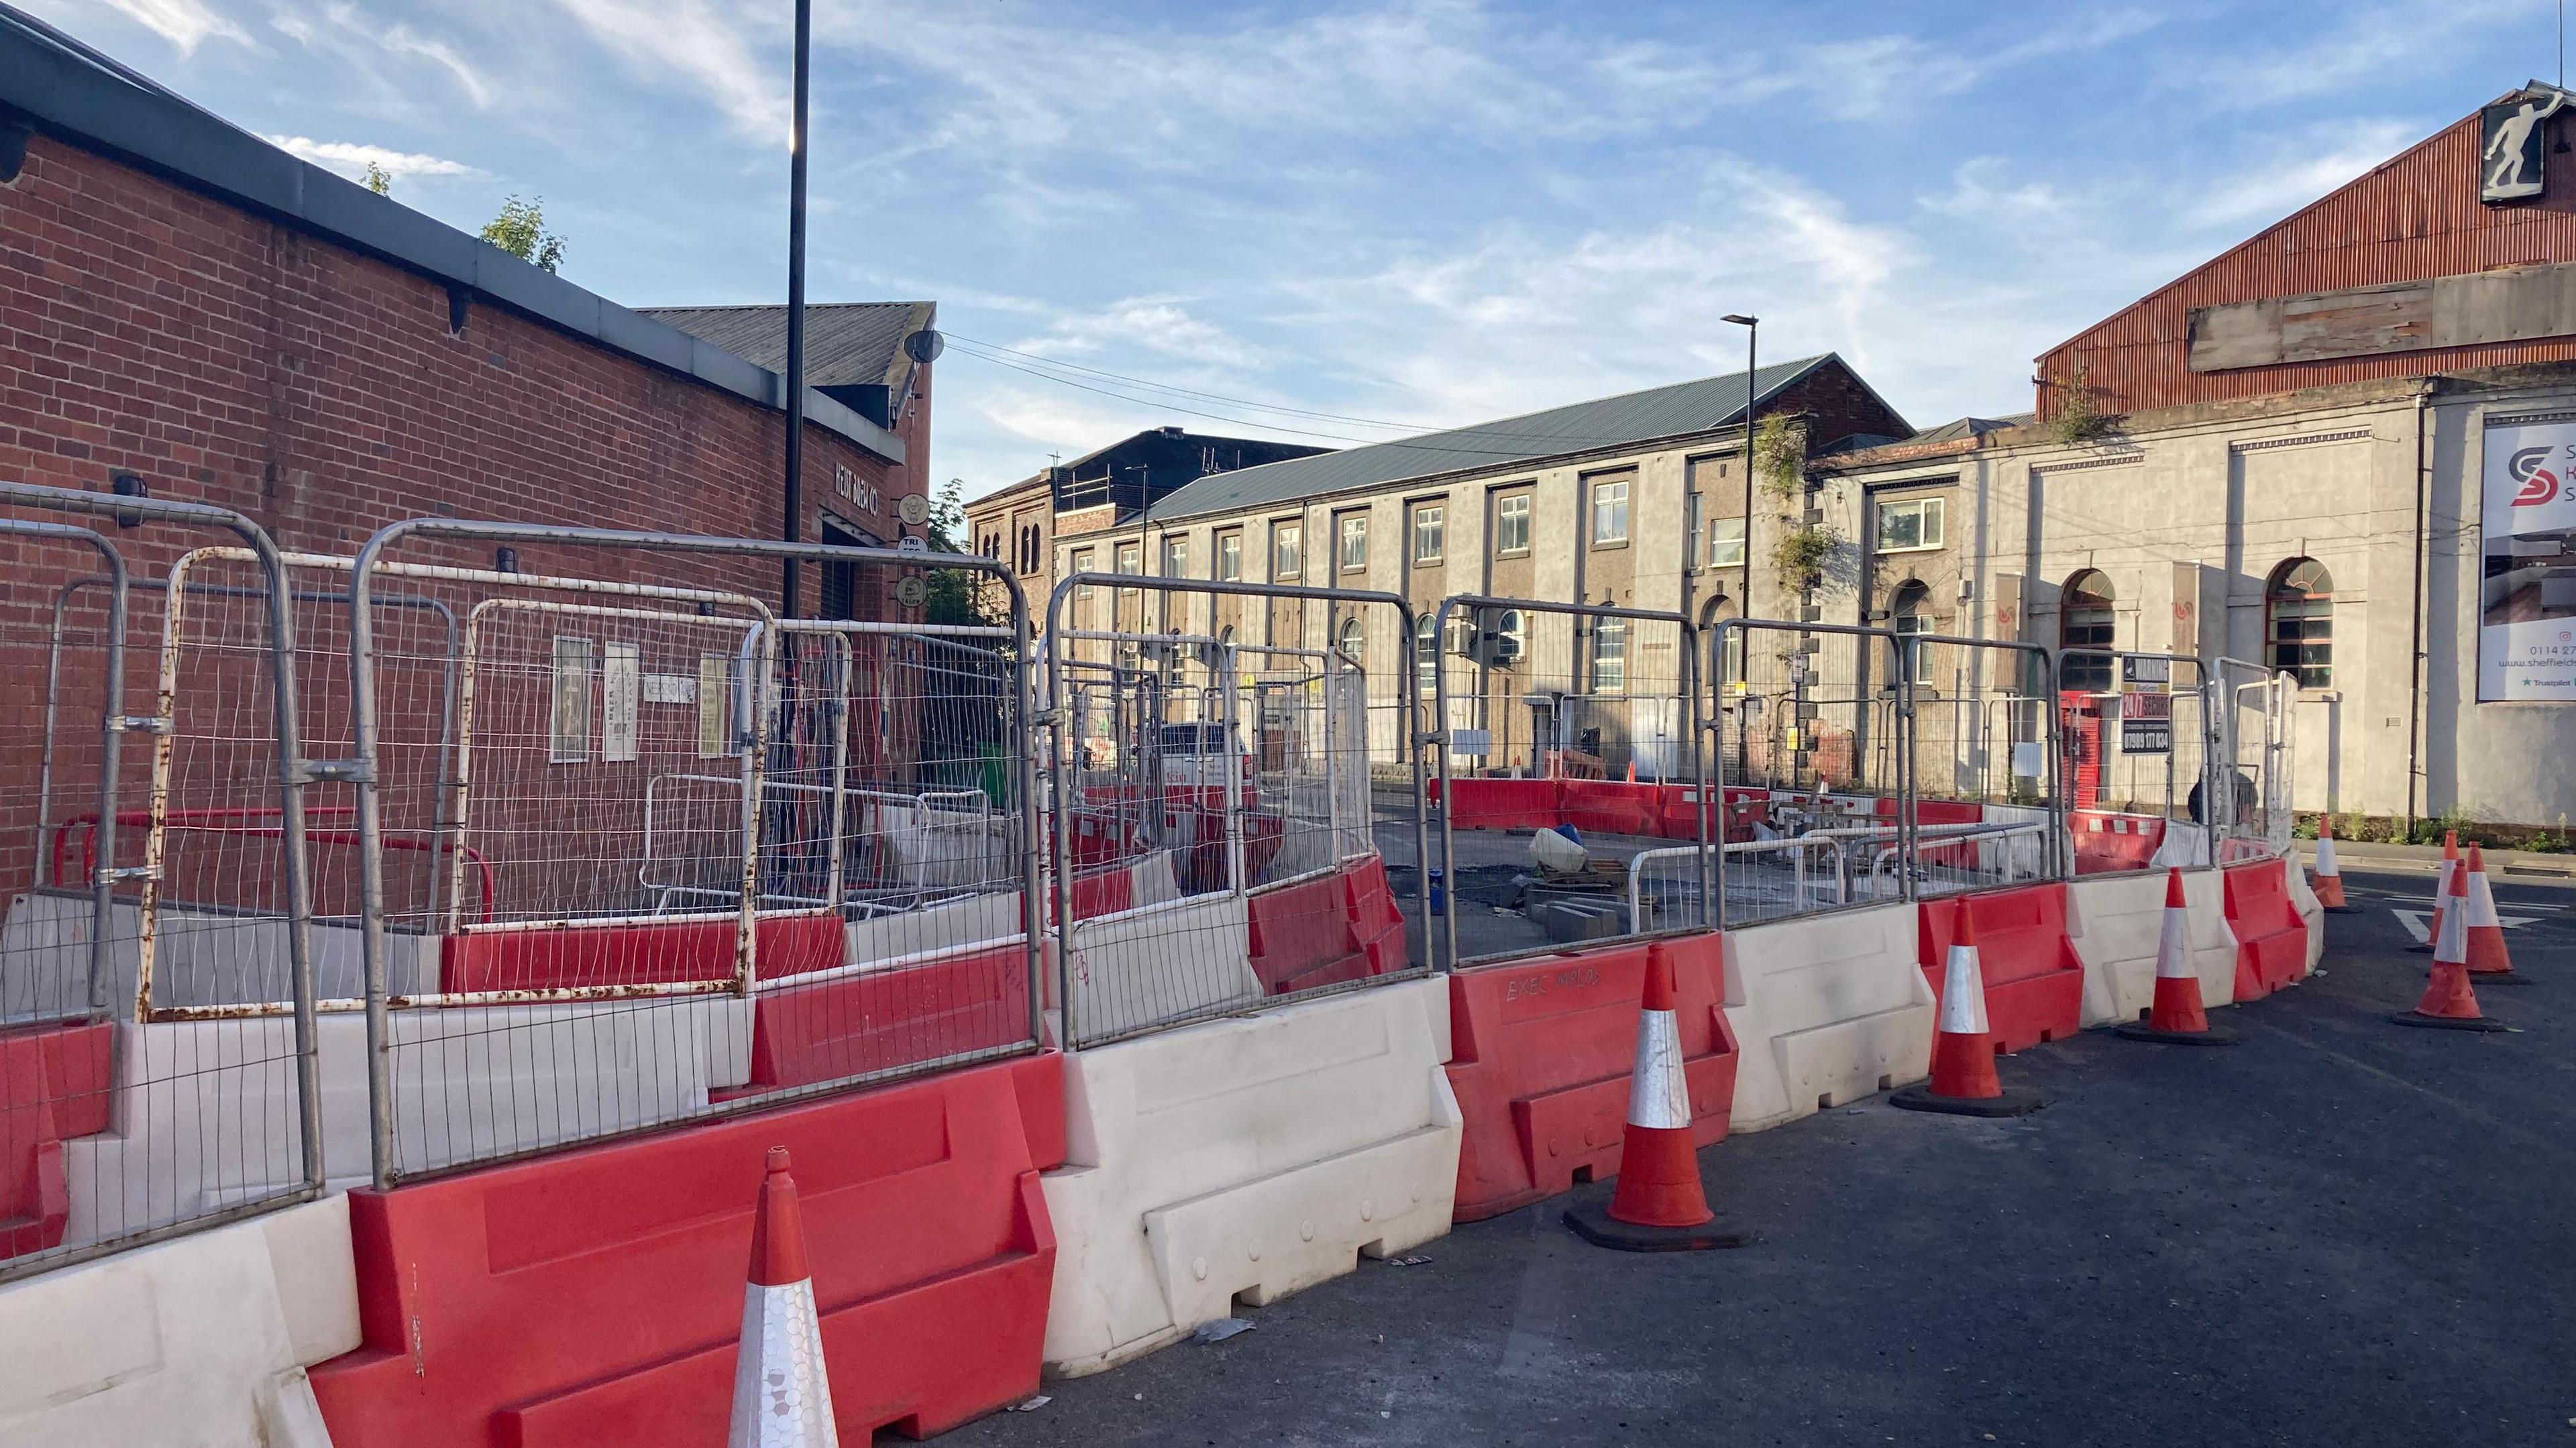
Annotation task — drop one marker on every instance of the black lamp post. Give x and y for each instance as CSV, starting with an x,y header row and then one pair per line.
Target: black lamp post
x,y
1752,396
795,504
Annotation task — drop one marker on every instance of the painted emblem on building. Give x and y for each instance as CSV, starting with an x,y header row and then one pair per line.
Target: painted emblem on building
x,y
2539,484
2513,159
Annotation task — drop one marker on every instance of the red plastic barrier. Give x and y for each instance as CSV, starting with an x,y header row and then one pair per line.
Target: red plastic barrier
x,y
595,1296
1376,923
2106,842
1540,1056
2271,936
1332,928
568,957
54,1084
1610,807
1502,804
2034,979
883,1019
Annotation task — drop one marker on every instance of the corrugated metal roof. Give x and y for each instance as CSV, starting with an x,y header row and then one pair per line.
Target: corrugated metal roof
x,y
846,343
1631,417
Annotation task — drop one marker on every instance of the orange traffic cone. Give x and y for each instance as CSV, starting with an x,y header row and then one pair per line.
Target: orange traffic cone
x,y
2176,1017
2329,875
2449,1004
2442,889
781,1396
2489,961
1658,1205
1963,1051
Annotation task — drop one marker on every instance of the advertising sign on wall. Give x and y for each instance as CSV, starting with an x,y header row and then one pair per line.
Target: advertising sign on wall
x,y
2527,596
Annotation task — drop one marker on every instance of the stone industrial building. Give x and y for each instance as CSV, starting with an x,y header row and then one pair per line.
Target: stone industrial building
x,y
2339,449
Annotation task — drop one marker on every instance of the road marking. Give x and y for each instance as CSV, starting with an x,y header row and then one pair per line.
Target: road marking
x,y
2418,923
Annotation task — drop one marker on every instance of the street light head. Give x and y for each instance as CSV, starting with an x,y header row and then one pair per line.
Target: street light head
x,y
1740,321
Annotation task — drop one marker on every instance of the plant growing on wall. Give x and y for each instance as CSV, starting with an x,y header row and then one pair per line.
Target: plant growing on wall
x,y
1780,456
2079,417
1799,556
520,230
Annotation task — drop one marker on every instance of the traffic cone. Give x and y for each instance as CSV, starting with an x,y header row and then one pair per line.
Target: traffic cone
x,y
2488,959
1963,1051
1658,1205
2449,1004
2329,875
2442,889
2176,1017
781,1396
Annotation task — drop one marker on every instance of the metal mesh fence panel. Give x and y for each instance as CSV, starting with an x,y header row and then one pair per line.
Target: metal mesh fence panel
x,y
2251,811
1604,704
1229,819
692,857
154,973
1811,737
1983,764
2136,759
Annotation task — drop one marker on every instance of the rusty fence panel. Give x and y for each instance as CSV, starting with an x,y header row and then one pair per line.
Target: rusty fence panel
x,y
667,854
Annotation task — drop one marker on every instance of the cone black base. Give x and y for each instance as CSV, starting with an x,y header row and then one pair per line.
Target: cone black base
x,y
2016,1101
2340,909
2448,1023
2425,949
2141,1031
1594,1224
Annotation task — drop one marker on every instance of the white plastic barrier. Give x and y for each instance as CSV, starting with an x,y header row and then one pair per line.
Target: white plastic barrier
x,y
205,1113
2303,895
2116,922
1163,962
199,1341
1825,1009
1247,1157
202,957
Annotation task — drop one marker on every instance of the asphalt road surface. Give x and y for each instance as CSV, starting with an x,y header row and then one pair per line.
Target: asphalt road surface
x,y
2339,1232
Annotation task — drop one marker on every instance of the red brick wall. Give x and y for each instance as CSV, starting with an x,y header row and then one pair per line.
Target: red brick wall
x,y
230,359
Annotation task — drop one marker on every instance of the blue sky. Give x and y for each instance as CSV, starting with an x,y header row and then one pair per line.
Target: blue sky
x,y
1417,213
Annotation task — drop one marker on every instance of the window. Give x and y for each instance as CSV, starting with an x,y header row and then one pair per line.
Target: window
x,y
1692,507
1176,558
1354,642
1910,524
1426,652
1128,556
1287,552
1355,544
1515,628
1610,656
571,731
1511,525
1725,542
1908,615
1229,556
1082,592
1427,523
2084,621
1609,511
2298,622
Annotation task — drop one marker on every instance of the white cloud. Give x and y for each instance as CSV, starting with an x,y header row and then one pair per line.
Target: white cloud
x,y
1159,324
2315,163
2341,61
351,159
186,24
691,40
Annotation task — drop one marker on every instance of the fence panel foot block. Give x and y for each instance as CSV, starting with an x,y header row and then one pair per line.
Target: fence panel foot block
x,y
1245,1158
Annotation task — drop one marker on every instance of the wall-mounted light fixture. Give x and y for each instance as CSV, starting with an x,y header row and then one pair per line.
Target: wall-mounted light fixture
x,y
128,485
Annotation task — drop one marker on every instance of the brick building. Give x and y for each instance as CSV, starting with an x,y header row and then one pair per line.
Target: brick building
x,y
2339,449
193,307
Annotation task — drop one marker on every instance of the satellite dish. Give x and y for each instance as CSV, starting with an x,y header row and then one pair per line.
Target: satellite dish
x,y
912,545
914,510
911,592
924,345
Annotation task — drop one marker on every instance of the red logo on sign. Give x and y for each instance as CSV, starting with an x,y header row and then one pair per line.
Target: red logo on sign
x,y
2540,487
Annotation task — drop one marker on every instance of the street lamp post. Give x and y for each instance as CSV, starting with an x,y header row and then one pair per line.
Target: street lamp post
x,y
1752,396
793,492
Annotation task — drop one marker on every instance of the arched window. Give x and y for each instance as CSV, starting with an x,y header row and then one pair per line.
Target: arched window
x,y
1610,656
1515,628
1908,614
1354,642
2298,622
2084,622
